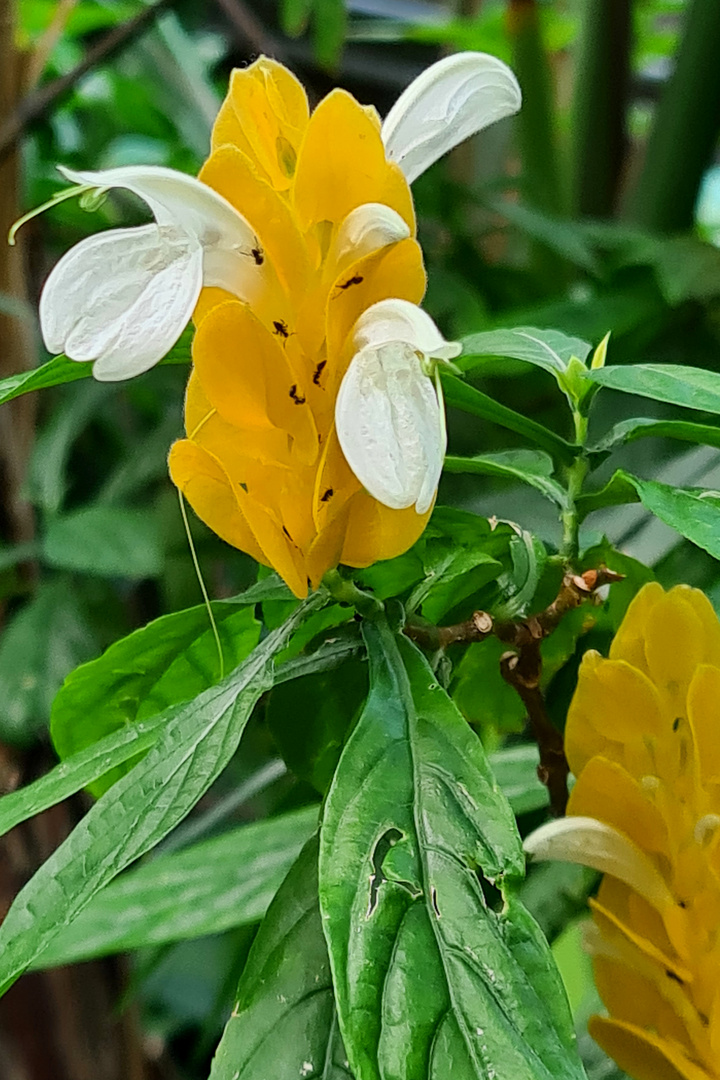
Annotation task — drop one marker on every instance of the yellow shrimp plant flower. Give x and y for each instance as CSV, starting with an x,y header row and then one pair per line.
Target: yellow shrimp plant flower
x,y
315,431
643,740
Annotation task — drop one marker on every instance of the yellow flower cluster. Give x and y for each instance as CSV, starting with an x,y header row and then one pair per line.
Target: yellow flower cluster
x,y
261,464
643,739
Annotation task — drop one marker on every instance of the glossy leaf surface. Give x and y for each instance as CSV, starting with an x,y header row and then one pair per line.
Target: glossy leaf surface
x,y
430,980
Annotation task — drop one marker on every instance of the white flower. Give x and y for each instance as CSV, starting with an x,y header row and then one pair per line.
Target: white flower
x,y
123,297
453,99
389,416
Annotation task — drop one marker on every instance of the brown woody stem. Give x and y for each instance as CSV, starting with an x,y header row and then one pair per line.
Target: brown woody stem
x,y
521,667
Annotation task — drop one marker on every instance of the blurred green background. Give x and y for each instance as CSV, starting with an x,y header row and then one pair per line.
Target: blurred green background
x,y
597,209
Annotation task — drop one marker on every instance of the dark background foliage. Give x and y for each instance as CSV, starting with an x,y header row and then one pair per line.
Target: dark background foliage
x,y
597,209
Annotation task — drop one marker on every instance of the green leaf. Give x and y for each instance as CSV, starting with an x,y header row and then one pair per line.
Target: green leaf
x,y
141,808
482,695
628,431
344,644
110,541
689,387
547,349
329,24
207,888
431,981
310,718
79,771
470,400
515,769
533,467
519,585
60,370
171,660
619,491
43,642
453,571
695,513
284,1022
48,480
295,15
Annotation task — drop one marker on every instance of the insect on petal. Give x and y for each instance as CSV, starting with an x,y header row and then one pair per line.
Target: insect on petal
x,y
389,424
453,99
122,298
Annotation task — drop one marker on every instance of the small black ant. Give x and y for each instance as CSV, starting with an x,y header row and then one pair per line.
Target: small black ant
x,y
281,328
256,253
294,395
328,495
318,372
355,280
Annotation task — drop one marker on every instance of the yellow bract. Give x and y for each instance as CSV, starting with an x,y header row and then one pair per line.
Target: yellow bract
x,y
261,464
643,739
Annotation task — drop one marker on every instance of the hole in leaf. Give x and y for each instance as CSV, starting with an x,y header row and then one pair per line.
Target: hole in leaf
x,y
491,894
388,840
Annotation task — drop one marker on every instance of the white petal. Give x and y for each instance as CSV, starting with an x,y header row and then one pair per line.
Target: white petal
x,y
177,199
122,298
366,229
400,320
389,425
592,843
451,100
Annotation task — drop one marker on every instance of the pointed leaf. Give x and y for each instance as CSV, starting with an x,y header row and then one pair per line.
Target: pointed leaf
x,y
531,467
61,370
547,349
141,808
689,387
430,980
628,431
79,771
473,401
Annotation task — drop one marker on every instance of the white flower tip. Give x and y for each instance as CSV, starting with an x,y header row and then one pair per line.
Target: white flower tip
x,y
453,99
366,229
593,843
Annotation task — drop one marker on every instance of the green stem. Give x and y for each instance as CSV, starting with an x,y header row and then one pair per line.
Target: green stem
x,y
575,475
346,591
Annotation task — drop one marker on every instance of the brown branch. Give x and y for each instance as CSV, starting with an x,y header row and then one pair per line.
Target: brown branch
x,y
522,667
40,101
